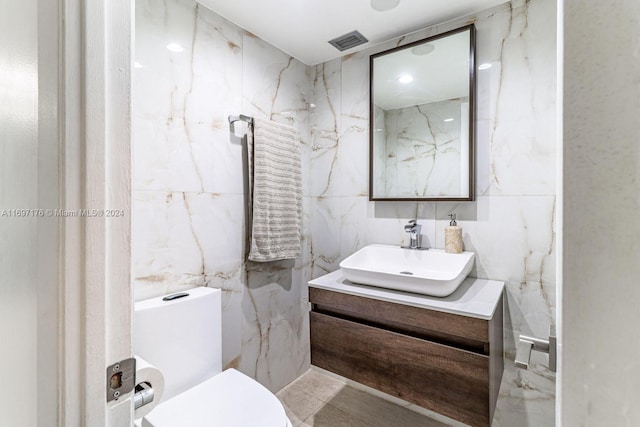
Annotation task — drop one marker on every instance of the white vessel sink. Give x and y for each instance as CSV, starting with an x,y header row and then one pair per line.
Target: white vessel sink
x,y
428,272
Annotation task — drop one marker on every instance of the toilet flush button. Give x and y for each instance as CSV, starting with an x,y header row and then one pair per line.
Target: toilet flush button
x,y
175,296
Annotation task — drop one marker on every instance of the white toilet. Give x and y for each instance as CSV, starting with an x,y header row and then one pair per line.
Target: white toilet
x,y
181,335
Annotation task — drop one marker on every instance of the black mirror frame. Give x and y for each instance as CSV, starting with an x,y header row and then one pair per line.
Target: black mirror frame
x,y
472,108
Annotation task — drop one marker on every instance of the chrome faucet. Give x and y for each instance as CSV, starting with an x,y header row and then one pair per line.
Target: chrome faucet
x,y
413,228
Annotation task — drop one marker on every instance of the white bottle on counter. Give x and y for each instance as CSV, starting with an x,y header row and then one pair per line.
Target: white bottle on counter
x,y
453,237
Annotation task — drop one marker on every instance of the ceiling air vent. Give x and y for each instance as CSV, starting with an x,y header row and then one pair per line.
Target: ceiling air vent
x,y
347,41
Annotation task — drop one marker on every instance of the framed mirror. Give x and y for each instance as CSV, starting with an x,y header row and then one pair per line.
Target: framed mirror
x,y
422,119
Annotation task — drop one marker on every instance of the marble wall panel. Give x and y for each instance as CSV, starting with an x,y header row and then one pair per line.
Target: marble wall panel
x,y
278,348
326,130
325,235
182,99
189,179
364,222
517,98
183,240
275,346
353,147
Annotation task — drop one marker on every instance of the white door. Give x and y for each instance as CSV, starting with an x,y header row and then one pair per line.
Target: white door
x,y
65,288
19,308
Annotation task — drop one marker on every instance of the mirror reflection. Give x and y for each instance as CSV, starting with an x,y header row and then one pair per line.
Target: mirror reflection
x,y
422,119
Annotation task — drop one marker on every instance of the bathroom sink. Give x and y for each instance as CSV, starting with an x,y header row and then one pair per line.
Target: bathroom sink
x,y
429,272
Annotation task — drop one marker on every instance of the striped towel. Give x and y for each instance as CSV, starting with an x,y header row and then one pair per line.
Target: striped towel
x,y
276,191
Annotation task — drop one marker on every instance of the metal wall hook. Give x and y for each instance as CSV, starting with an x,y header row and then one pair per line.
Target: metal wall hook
x,y
241,118
527,344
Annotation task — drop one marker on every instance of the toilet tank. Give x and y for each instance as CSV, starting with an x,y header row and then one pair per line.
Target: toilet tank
x,y
181,336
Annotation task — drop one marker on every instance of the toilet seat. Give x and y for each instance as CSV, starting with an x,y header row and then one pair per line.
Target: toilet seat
x,y
230,399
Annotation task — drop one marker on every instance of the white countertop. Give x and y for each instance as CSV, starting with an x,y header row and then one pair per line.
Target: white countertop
x,y
474,298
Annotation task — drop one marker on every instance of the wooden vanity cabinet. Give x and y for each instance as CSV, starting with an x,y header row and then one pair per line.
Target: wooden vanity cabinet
x,y
449,363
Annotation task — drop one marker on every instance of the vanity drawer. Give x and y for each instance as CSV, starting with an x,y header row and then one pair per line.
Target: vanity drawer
x,y
450,329
447,380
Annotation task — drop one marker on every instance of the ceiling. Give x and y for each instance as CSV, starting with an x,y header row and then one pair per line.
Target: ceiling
x,y
302,28
446,63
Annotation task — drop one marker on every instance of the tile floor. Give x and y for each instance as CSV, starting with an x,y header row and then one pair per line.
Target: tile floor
x,y
318,400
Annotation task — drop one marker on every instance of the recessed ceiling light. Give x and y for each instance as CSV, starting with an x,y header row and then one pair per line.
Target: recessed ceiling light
x,y
405,78
384,5
484,66
175,47
448,120
137,64
423,49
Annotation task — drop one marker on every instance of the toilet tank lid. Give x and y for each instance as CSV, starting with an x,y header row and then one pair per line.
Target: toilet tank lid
x,y
175,297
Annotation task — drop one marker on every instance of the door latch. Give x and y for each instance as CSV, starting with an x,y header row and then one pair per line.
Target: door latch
x,y
121,378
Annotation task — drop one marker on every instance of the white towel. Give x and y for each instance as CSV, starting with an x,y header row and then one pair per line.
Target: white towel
x,y
275,176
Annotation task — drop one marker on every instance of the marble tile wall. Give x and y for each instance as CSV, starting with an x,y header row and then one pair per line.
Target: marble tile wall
x,y
511,224
419,162
189,188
